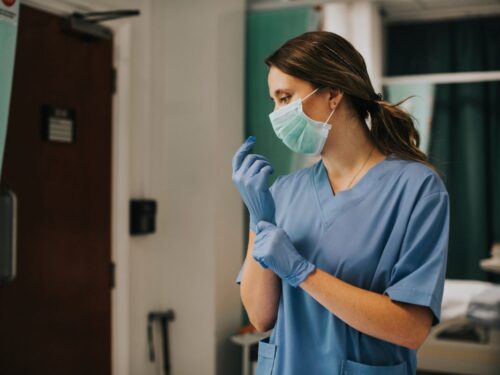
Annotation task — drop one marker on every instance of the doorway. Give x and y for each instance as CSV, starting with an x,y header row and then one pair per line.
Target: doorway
x,y
55,317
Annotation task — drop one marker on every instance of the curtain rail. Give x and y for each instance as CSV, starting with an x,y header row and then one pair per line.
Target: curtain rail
x,y
458,12
441,78
464,11
284,4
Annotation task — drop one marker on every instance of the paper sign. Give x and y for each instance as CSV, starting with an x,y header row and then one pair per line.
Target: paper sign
x,y
9,10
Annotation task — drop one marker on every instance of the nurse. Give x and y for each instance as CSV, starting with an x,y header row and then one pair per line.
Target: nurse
x,y
346,258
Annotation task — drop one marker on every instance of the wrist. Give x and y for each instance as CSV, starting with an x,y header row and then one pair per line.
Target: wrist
x,y
255,221
304,269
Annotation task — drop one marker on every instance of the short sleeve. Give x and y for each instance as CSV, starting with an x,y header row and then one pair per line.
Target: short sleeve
x,y
419,273
240,274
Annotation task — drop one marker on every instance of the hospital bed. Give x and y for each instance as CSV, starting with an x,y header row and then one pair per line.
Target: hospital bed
x,y
467,340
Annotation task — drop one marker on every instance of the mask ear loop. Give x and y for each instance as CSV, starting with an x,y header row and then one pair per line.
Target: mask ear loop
x,y
329,117
369,121
308,95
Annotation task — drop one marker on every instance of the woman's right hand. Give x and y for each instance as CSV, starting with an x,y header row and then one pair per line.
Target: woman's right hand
x,y
250,173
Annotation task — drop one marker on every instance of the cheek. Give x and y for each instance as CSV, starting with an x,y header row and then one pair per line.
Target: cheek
x,y
316,111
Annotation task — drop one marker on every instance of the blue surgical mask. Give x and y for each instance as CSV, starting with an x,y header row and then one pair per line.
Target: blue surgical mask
x,y
297,130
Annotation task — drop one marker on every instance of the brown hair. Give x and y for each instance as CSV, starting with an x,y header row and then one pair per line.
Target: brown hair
x,y
326,59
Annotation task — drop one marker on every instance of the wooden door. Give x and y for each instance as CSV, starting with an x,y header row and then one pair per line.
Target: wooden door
x,y
55,316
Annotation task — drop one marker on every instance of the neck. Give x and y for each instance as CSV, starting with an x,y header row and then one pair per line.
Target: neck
x,y
347,149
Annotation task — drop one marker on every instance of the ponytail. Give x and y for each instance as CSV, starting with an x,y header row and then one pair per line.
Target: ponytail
x,y
393,131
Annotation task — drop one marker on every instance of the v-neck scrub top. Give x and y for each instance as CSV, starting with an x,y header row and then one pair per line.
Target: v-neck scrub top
x,y
387,234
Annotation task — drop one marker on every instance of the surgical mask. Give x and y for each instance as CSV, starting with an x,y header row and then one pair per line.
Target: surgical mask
x,y
299,132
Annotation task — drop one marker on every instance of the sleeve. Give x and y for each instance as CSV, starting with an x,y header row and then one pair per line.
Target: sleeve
x,y
240,274
419,274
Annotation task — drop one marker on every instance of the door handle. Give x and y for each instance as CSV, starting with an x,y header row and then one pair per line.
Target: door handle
x,y
164,318
8,236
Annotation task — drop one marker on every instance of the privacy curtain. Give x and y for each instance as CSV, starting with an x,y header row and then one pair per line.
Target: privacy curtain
x,y
266,32
465,128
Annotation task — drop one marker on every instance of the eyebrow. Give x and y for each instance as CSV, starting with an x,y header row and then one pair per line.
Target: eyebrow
x,y
278,91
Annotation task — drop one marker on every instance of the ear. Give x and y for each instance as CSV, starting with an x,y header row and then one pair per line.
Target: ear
x,y
334,97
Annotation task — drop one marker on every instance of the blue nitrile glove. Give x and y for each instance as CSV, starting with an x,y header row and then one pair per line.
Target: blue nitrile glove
x,y
273,249
250,173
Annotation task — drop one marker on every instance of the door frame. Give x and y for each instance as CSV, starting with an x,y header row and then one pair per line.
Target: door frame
x,y
119,172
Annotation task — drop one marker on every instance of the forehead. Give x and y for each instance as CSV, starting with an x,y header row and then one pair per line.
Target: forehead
x,y
277,81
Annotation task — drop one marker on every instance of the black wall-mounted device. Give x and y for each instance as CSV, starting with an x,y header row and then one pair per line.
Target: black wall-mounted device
x,y
142,216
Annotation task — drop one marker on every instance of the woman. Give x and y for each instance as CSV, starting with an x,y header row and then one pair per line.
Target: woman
x,y
346,259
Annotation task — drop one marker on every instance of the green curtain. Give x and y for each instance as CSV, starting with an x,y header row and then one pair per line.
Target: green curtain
x,y
267,31
420,107
465,133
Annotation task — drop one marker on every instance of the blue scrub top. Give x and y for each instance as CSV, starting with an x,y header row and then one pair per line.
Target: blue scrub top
x,y
388,233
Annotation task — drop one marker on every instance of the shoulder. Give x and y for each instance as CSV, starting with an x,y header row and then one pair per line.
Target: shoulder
x,y
418,177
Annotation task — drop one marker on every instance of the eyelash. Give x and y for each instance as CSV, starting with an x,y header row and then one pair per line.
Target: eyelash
x,y
287,97
283,98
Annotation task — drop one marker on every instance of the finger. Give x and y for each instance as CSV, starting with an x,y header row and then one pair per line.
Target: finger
x,y
267,170
256,167
262,175
260,236
264,225
248,162
242,151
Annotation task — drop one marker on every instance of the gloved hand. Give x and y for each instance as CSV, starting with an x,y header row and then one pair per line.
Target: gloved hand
x,y
250,173
273,249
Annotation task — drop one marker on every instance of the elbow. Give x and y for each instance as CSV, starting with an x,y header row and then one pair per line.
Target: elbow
x,y
262,324
419,343
415,345
419,339
419,327
262,327
261,319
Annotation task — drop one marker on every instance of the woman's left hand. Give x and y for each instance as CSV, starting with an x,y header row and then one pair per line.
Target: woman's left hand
x,y
273,249
250,174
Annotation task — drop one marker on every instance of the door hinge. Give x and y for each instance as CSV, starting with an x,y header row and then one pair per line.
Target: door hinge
x,y
112,275
87,24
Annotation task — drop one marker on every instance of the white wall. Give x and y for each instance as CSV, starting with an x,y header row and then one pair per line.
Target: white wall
x,y
186,121
360,23
178,119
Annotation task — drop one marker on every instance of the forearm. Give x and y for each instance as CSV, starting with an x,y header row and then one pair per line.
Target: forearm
x,y
260,292
371,313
